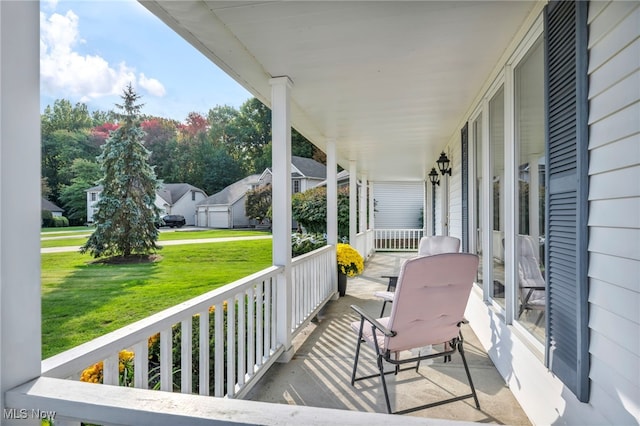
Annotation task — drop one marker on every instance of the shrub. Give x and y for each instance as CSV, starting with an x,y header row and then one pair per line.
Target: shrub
x,y
304,243
309,209
60,222
47,219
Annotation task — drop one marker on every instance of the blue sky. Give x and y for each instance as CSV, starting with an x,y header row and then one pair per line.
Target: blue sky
x,y
90,50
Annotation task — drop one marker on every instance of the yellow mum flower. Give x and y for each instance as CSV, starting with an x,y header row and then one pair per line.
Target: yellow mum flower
x,y
349,260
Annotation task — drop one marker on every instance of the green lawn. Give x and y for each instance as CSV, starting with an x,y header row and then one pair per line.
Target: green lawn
x,y
81,300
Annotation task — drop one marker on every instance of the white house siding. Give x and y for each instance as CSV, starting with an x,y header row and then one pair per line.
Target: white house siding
x,y
239,217
614,247
614,210
398,204
91,204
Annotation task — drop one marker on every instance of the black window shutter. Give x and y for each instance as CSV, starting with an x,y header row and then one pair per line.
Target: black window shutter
x,y
464,137
566,255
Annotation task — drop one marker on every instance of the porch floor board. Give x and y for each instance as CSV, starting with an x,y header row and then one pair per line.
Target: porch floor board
x,y
320,372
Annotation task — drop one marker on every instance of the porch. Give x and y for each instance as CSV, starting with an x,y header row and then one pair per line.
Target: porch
x,y
320,371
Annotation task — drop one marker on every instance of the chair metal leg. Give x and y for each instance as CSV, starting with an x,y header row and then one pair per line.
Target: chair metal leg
x,y
466,369
355,361
384,305
384,384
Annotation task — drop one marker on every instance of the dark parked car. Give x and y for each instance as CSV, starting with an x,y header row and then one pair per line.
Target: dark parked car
x,y
173,221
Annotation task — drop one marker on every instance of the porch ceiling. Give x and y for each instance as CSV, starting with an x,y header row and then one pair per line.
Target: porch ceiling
x,y
390,81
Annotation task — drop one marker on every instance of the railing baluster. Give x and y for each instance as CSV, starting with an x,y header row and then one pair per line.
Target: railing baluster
x,y
166,360
267,317
186,351
251,331
295,296
141,364
218,372
272,317
242,340
231,347
260,302
203,362
110,370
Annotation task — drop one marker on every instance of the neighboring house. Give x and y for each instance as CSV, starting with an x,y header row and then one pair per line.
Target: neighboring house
x,y
226,209
306,173
171,198
181,198
49,206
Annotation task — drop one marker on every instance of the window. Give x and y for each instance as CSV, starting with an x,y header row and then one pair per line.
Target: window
x,y
193,195
296,186
497,235
530,169
93,196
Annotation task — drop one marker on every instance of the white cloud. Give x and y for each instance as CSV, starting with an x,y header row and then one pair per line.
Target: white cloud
x,y
64,70
153,86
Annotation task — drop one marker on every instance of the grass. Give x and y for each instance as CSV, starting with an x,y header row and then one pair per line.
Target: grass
x,y
83,300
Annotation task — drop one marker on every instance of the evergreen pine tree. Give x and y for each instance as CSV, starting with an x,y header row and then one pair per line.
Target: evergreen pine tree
x,y
126,215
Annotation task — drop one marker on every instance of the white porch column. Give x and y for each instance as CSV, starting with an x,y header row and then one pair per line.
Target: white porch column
x,y
332,207
332,193
281,205
372,207
426,186
20,330
353,205
364,185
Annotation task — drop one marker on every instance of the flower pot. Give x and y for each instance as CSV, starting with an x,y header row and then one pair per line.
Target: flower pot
x,y
342,284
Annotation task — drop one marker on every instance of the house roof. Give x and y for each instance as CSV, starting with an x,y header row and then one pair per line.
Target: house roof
x,y
48,205
391,82
231,193
172,192
308,167
303,167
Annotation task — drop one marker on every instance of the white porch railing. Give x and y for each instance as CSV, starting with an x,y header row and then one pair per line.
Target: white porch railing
x,y
226,338
313,285
397,239
365,243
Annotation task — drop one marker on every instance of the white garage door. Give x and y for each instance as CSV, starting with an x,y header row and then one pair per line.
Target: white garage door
x,y
218,219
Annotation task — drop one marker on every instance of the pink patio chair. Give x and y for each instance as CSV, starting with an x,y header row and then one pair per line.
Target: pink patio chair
x,y
428,246
531,282
428,308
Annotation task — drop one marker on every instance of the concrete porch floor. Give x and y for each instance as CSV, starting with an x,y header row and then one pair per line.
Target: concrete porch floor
x,y
320,372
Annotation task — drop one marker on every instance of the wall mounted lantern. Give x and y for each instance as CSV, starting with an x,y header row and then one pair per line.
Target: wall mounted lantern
x,y
433,177
443,164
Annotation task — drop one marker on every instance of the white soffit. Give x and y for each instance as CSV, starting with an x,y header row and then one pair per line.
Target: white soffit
x,y
389,80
